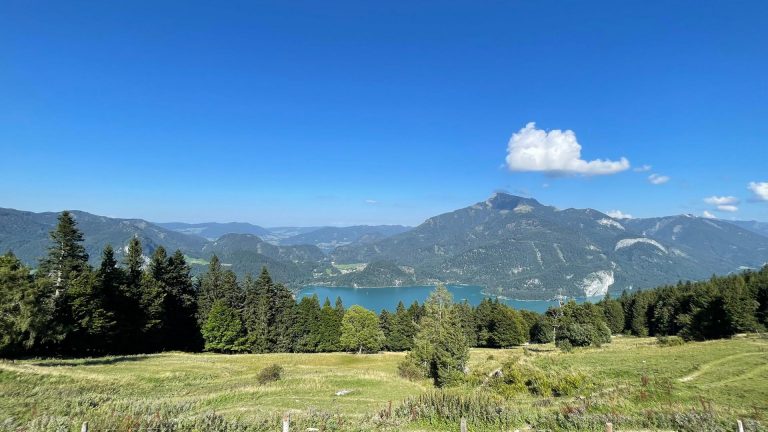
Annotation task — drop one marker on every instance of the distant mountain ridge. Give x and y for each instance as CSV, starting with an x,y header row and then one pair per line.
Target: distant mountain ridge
x,y
517,247
511,245
214,230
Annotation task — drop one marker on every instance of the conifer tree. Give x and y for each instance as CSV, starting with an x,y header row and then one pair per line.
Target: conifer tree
x,y
223,330
66,255
402,329
614,314
385,324
23,312
93,325
134,263
330,327
257,312
210,289
130,314
466,319
283,307
307,325
180,329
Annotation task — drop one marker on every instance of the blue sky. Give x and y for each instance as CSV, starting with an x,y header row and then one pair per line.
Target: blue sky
x,y
315,113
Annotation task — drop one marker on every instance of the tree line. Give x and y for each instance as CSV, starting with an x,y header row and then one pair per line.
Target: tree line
x,y
149,304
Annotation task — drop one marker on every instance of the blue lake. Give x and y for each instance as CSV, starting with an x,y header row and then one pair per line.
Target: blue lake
x,y
377,299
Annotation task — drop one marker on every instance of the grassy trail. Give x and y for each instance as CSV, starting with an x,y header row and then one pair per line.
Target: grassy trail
x,y
729,375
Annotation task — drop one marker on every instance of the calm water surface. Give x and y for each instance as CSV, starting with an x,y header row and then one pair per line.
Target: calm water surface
x,y
386,298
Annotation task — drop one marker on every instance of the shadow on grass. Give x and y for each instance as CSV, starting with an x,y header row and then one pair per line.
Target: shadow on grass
x,y
94,361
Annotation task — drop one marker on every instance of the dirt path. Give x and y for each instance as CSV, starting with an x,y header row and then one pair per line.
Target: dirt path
x,y
706,366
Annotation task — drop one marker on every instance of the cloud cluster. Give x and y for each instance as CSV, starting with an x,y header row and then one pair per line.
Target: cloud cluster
x,y
555,152
658,179
760,189
728,208
723,203
721,200
618,214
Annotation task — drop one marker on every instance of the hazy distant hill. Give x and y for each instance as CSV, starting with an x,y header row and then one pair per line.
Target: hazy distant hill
x,y
214,230
329,238
754,226
519,247
326,238
511,245
26,234
247,253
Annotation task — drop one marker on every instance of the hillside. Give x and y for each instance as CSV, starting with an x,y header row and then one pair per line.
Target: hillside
x,y
329,238
754,226
246,253
512,246
210,390
520,248
214,230
26,234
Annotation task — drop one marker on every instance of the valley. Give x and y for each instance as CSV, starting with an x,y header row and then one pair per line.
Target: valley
x,y
513,247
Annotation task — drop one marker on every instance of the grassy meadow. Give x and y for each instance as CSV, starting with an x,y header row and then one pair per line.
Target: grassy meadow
x,y
636,383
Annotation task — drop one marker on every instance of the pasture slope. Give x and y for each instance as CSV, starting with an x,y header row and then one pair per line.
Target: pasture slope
x,y
688,385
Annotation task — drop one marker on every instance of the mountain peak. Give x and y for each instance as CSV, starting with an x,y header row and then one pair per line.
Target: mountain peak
x,y
505,201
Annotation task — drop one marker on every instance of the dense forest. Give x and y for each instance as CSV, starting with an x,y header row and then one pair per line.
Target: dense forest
x,y
150,304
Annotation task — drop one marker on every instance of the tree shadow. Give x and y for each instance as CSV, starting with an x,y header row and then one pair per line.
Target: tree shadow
x,y
102,361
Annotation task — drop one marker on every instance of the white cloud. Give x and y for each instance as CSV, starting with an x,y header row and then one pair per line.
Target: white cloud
x,y
370,201
760,189
618,214
708,215
644,168
658,179
554,152
721,200
728,208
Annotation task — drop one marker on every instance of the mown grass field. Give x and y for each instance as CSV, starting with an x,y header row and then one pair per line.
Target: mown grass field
x,y
726,377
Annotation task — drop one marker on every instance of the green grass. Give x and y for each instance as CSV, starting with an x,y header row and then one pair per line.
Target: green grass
x,y
727,377
350,267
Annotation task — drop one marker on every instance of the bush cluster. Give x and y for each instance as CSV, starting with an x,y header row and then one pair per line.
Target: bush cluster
x,y
520,377
270,374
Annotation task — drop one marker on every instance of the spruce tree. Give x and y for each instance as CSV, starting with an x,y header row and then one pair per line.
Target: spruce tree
x,y
24,314
385,324
66,255
466,319
180,329
307,325
257,312
210,289
330,327
130,314
402,329
283,307
93,324
223,329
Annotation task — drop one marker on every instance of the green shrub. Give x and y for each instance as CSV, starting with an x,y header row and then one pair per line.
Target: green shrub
x,y
442,406
410,371
670,340
517,377
565,345
270,374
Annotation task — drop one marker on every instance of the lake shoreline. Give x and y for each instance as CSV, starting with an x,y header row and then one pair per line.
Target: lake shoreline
x,y
378,298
